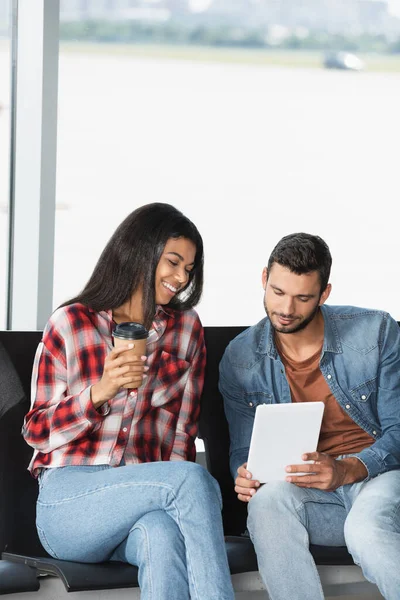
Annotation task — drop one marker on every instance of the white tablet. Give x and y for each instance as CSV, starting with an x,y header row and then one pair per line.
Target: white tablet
x,y
281,434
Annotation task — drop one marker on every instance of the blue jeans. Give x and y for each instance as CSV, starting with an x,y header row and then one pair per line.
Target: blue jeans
x,y
164,517
283,519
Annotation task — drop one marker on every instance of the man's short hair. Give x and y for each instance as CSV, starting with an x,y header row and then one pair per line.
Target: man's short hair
x,y
303,253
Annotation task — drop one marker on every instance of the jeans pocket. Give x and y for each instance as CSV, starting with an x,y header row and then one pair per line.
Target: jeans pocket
x,y
44,542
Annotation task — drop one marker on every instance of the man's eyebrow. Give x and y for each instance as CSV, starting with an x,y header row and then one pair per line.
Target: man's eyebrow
x,y
179,256
278,289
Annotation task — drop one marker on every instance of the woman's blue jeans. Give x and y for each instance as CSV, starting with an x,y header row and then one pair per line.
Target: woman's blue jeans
x,y
284,519
164,517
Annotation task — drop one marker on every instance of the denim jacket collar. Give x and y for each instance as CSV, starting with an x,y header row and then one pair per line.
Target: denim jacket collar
x,y
332,341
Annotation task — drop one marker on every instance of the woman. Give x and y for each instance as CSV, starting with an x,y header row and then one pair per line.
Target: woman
x,y
114,437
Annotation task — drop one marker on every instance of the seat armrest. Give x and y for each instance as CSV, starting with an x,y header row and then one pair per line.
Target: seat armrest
x,y
79,577
16,578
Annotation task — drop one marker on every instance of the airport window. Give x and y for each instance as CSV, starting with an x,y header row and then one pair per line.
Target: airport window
x,y
5,102
257,119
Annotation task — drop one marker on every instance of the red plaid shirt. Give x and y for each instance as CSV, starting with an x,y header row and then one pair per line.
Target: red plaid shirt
x,y
156,422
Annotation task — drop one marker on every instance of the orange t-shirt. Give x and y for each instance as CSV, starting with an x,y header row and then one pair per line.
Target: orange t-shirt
x,y
339,433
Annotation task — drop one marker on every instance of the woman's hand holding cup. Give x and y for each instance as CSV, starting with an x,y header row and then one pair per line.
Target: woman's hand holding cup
x,y
125,366
122,369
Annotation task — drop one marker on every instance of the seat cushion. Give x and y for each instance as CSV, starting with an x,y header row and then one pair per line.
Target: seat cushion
x,y
242,557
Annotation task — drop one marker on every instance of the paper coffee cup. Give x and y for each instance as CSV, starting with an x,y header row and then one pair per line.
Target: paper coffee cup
x,y
131,333
127,332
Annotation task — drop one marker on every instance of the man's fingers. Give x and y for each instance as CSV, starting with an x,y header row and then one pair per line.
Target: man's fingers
x,y
245,490
304,468
245,486
317,456
243,472
244,498
247,483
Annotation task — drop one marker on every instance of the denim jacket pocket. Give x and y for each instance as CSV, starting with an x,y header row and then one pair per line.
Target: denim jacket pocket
x,y
253,399
364,392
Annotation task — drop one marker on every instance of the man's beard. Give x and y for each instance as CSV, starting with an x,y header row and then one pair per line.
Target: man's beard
x,y
295,328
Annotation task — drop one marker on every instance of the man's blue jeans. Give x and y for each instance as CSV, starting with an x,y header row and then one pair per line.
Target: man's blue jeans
x,y
164,517
284,519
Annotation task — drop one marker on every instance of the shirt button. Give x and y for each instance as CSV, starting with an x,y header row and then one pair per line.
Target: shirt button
x,y
132,393
125,429
329,376
374,432
347,405
363,397
250,404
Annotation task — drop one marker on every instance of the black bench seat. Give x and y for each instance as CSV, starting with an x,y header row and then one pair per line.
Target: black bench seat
x,y
80,577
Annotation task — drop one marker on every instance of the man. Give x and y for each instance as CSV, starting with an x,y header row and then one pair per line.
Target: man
x,y
348,357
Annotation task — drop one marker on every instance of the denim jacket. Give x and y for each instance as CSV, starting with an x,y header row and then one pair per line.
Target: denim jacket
x,y
360,361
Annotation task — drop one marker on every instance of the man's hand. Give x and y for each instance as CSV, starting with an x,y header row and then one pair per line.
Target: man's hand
x,y
245,486
326,473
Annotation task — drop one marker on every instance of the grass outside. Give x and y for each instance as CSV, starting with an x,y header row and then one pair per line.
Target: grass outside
x,y
256,57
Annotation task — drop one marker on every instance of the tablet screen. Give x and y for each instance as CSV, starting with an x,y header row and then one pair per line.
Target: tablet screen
x,y
282,433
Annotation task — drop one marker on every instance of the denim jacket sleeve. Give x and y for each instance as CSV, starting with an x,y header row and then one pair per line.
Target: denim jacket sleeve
x,y
384,454
240,417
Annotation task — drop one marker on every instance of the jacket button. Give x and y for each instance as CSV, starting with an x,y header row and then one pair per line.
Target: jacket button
x,y
363,397
250,404
347,405
329,376
374,432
